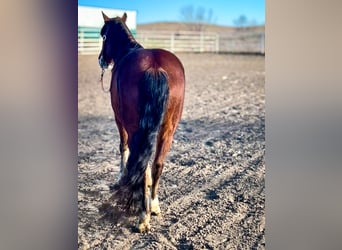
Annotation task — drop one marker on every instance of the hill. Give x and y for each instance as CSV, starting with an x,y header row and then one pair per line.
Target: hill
x,y
179,26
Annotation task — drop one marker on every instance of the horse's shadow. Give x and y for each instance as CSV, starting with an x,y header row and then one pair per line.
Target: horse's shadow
x,y
113,214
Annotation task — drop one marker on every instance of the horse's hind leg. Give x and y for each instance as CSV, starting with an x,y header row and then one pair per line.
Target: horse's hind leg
x,y
164,142
151,182
124,150
145,214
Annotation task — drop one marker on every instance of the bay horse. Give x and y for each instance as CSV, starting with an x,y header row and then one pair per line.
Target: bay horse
x,y
147,96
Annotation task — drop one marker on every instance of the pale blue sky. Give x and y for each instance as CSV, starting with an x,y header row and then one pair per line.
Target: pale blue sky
x,y
224,11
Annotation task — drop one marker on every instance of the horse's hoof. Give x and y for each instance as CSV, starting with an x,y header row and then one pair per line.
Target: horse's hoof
x,y
144,227
155,209
158,215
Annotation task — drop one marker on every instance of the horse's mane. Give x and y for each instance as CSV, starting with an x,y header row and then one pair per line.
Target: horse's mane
x,y
126,35
125,30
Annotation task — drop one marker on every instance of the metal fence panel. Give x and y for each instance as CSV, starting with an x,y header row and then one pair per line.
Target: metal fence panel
x,y
89,41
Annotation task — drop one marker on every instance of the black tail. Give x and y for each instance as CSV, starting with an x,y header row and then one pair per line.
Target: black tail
x,y
153,96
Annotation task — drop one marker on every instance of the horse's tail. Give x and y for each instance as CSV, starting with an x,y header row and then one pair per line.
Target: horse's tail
x,y
153,96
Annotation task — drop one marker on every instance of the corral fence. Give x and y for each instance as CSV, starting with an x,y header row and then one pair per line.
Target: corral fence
x,y
89,41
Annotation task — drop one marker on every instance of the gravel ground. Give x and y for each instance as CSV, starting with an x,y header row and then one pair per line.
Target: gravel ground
x,y
212,190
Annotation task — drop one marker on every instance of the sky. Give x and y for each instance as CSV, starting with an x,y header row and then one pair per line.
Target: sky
x,y
224,12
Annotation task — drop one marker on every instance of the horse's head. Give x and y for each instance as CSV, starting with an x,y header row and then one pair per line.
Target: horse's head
x,y
110,45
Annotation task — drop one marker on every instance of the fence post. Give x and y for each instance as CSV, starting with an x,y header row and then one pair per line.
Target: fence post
x,y
143,38
201,42
217,46
262,43
172,48
81,42
100,42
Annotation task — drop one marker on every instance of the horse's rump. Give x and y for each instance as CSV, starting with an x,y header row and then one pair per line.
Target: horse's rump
x,y
153,92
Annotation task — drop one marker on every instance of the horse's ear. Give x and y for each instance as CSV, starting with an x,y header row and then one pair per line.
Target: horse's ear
x,y
124,17
105,18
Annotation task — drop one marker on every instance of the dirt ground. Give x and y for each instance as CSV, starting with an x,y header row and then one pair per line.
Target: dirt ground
x,y
212,190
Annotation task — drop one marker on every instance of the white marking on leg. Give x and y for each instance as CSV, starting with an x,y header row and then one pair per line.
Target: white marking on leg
x,y
147,191
145,215
155,209
124,157
123,163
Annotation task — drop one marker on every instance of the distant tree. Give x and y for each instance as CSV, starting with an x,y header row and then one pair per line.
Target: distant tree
x,y
187,13
197,17
241,21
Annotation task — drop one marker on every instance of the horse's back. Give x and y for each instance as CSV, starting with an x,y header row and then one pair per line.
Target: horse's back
x,y
142,59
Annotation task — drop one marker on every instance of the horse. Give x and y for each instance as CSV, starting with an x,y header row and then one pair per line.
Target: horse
x,y
147,96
